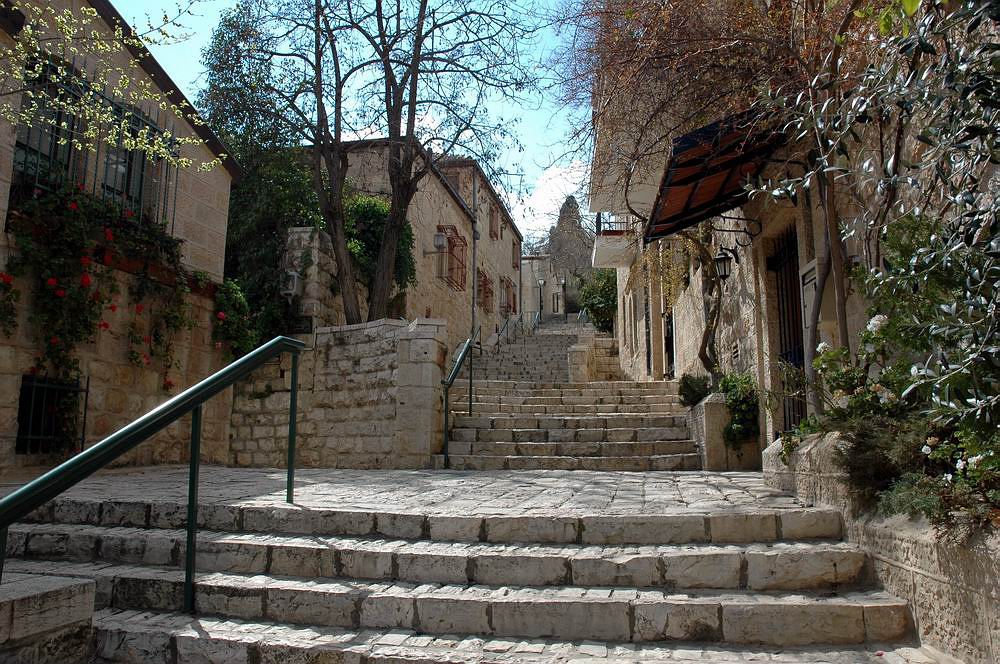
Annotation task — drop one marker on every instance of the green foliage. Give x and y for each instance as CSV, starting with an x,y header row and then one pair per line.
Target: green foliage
x,y
68,244
920,400
599,296
364,222
744,408
693,389
232,323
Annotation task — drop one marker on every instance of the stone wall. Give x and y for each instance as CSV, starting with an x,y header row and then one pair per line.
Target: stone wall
x,y
953,589
119,390
706,421
369,397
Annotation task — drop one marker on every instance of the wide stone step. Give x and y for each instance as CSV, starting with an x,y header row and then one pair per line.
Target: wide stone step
x,y
623,435
614,421
561,410
633,464
136,637
566,612
596,387
777,566
598,449
678,526
530,400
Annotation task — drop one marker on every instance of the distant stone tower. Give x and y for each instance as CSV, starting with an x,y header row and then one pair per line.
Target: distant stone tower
x,y
570,246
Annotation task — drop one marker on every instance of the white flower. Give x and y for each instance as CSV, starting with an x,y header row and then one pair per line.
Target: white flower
x,y
960,464
974,461
947,477
823,347
877,323
926,449
869,348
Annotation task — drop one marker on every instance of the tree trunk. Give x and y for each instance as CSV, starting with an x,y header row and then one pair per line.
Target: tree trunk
x,y
812,338
711,288
385,264
837,263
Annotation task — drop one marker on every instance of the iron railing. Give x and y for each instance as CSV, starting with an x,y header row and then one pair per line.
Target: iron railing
x,y
504,332
34,494
611,225
463,353
49,416
536,320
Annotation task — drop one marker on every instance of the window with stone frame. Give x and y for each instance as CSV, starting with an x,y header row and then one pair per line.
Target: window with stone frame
x,y
485,295
451,261
494,223
515,255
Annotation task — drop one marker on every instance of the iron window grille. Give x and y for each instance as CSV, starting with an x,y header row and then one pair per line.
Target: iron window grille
x,y
515,255
494,223
50,419
451,268
52,153
486,302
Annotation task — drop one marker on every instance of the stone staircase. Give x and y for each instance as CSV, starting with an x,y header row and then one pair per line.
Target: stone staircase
x,y
616,425
318,584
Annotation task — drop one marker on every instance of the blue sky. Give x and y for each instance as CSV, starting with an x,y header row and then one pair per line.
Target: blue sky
x,y
541,128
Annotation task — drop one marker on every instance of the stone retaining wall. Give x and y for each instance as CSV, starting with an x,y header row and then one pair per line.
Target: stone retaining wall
x,y
369,397
953,589
706,421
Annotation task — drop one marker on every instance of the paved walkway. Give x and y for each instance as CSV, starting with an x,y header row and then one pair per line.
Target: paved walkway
x,y
513,493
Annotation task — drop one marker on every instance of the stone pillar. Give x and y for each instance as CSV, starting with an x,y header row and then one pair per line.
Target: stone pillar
x,y
579,360
422,351
706,421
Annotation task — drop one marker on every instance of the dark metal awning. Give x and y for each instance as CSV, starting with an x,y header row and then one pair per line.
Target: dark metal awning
x,y
707,171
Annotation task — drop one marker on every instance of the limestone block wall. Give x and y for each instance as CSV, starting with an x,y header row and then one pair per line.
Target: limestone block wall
x,y
706,421
120,391
953,588
369,397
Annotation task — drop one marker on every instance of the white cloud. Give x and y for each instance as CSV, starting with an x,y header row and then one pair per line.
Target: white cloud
x,y
537,211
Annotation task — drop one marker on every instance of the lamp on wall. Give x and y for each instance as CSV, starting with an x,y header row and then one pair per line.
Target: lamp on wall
x,y
291,285
440,244
724,262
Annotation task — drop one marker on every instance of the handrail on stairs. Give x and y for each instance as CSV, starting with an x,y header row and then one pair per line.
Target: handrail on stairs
x,y
17,505
536,320
505,331
463,353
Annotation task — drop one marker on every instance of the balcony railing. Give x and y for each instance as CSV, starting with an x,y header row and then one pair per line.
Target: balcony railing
x,y
611,225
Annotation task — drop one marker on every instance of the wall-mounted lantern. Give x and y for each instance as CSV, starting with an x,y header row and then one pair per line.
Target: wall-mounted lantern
x,y
440,244
724,262
291,285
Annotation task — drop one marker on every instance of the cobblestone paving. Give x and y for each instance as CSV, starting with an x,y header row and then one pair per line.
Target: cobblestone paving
x,y
518,493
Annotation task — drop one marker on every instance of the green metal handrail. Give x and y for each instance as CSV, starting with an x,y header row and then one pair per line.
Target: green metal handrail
x,y
505,331
34,494
450,380
536,320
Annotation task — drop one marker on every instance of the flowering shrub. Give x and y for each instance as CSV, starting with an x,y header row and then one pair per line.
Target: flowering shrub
x,y
233,327
68,243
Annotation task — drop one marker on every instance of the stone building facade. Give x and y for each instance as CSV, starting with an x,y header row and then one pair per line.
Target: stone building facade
x,y
772,251
193,205
445,274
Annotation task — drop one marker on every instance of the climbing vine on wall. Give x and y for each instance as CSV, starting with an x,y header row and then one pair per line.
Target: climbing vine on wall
x,y
664,262
68,245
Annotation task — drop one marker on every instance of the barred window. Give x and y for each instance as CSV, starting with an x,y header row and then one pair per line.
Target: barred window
x,y
485,294
47,154
494,223
451,265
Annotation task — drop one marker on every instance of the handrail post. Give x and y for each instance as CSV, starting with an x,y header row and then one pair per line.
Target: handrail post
x,y
3,549
292,416
447,459
192,510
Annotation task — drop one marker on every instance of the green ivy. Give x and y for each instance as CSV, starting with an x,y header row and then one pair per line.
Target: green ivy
x,y
232,324
744,408
599,296
364,222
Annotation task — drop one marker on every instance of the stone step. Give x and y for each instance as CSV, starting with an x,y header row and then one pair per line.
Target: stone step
x,y
675,526
139,637
561,410
600,449
778,566
613,421
592,387
544,462
623,435
567,612
458,396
